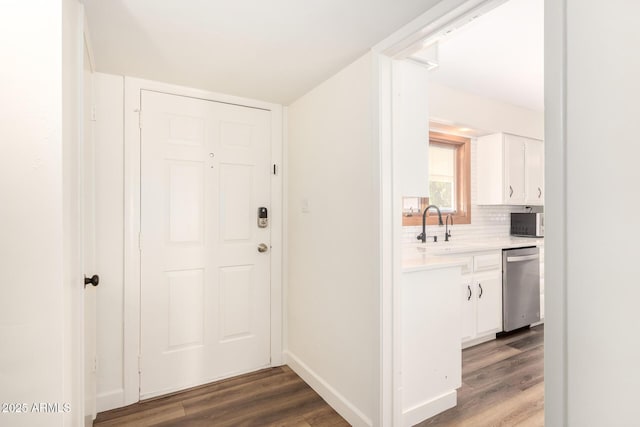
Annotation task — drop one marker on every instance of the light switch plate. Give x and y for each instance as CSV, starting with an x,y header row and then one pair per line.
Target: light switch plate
x,y
304,205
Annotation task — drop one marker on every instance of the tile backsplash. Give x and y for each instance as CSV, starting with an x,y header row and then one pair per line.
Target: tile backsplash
x,y
487,222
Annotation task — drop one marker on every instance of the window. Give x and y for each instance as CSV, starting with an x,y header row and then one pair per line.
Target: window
x,y
442,176
449,181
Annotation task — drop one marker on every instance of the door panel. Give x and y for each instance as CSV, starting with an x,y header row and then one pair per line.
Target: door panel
x,y
514,169
236,183
235,302
205,290
186,202
534,172
468,310
186,311
489,291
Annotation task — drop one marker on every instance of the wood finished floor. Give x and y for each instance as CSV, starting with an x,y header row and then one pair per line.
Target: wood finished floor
x,y
270,397
502,385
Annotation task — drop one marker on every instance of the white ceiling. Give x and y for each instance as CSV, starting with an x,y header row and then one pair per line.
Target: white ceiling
x,y
273,50
500,55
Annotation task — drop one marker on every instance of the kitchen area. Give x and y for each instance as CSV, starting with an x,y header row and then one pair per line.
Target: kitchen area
x,y
476,289
472,243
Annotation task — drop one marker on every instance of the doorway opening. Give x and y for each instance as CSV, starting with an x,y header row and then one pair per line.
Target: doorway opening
x,y
486,78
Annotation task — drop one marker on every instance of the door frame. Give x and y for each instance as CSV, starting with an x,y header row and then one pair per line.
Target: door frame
x,y
402,43
88,209
132,209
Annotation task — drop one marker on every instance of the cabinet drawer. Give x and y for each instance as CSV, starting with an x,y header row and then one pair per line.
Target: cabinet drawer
x,y
492,261
467,267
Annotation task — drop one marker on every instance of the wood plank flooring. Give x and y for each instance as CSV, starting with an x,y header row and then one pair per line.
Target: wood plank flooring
x,y
502,385
270,397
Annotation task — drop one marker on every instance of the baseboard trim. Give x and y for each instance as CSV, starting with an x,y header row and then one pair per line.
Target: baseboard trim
x,y
428,409
538,323
477,341
346,409
110,400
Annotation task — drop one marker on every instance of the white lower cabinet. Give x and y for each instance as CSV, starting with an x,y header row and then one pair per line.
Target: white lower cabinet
x,y
431,358
468,311
482,298
489,303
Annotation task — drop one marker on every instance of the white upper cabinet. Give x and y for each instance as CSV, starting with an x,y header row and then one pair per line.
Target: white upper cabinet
x,y
510,170
534,172
514,165
411,128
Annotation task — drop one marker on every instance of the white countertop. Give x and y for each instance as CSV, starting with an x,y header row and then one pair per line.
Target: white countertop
x,y
431,262
429,256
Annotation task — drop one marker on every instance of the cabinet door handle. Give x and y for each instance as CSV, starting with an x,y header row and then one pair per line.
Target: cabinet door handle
x,y
539,192
470,293
510,191
481,291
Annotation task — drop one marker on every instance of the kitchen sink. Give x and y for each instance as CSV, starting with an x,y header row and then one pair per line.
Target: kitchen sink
x,y
445,248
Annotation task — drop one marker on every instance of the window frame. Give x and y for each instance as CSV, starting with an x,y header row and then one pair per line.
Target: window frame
x,y
462,215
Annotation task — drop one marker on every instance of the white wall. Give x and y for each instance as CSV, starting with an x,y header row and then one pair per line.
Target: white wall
x,y
109,211
483,113
38,281
599,178
333,280
464,108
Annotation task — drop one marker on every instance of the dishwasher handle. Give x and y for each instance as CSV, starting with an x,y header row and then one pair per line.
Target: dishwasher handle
x,y
522,258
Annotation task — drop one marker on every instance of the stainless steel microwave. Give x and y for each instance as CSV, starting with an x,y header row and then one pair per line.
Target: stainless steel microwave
x,y
527,224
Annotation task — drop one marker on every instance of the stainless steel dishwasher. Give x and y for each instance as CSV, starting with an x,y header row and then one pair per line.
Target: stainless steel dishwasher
x,y
520,287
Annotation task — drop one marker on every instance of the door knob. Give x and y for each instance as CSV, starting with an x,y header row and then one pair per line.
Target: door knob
x,y
93,280
262,248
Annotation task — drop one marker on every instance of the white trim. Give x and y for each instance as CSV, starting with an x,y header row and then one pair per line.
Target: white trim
x,y
278,209
285,228
480,340
389,399
73,181
346,409
396,260
87,41
421,412
131,252
444,15
110,400
132,90
555,135
377,230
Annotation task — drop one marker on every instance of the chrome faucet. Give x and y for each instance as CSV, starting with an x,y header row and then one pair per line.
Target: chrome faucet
x,y
447,232
423,236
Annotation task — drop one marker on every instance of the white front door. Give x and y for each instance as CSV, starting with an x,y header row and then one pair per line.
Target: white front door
x,y
205,287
